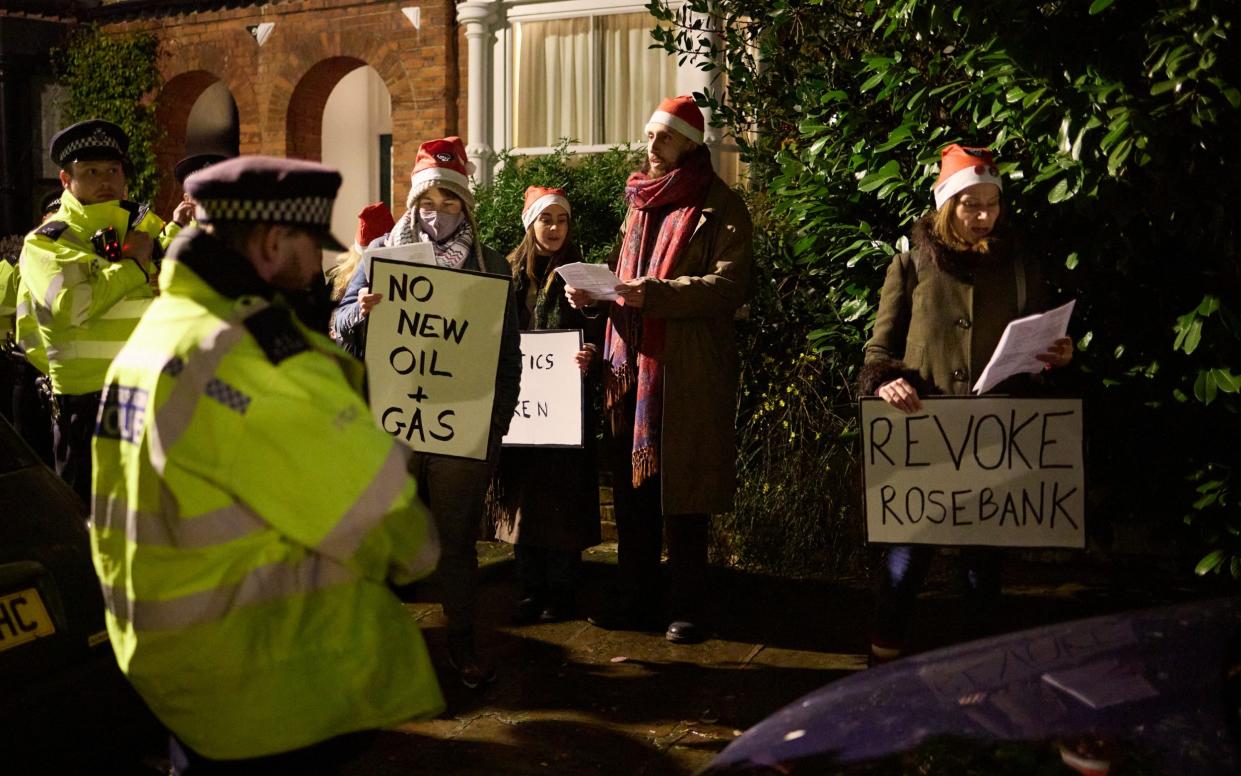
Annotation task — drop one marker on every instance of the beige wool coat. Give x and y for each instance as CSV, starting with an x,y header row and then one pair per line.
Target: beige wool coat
x,y
699,300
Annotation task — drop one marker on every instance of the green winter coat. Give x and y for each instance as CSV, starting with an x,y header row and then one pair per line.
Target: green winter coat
x,y
941,314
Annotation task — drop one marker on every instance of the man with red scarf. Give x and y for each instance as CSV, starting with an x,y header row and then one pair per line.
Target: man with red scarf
x,y
670,379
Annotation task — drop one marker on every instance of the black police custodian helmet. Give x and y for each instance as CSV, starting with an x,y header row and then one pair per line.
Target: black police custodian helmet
x,y
93,140
193,163
268,190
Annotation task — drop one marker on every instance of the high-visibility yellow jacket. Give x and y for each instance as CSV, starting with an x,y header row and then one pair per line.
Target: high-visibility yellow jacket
x,y
8,299
248,516
76,308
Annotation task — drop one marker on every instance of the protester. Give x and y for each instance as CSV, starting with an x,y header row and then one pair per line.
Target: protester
x,y
549,497
943,307
248,514
374,223
670,370
440,212
87,275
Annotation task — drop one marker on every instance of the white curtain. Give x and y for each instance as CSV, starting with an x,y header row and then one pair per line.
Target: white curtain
x,y
552,92
635,77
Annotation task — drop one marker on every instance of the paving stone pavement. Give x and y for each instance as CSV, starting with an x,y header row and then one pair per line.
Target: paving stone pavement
x,y
575,699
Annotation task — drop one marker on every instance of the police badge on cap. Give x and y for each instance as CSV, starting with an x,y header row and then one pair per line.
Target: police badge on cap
x,y
92,140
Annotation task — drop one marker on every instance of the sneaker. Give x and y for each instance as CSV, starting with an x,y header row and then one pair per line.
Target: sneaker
x,y
472,669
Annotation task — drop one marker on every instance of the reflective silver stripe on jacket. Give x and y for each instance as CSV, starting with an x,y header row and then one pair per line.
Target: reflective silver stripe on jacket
x,y
265,584
69,351
174,415
126,308
219,526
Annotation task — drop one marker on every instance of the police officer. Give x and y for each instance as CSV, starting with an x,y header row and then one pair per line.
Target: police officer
x,y
183,213
86,278
249,514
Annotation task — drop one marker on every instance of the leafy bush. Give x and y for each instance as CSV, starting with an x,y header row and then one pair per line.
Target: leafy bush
x,y
1112,126
593,183
110,77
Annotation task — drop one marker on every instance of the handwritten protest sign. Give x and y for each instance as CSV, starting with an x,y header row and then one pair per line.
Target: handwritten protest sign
x,y
975,471
549,411
432,347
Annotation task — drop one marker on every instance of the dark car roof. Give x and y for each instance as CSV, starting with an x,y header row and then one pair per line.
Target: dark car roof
x,y
1152,679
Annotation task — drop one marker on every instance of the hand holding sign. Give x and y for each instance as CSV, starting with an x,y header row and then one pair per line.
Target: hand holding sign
x,y
367,300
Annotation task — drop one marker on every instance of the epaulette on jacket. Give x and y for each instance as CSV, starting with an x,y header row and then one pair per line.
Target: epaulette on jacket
x,y
273,328
52,229
137,211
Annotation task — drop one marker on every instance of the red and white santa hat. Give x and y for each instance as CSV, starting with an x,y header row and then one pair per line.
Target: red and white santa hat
x,y
960,168
681,115
539,199
373,221
442,163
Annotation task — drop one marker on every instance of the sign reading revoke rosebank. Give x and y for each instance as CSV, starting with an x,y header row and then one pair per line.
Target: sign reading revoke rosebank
x,y
975,471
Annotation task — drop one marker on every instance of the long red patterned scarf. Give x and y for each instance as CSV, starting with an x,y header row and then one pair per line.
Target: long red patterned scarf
x,y
663,213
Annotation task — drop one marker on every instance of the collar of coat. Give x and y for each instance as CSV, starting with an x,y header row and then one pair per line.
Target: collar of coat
x,y
226,271
927,248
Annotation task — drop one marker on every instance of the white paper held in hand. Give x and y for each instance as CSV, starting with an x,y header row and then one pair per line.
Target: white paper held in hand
x,y
596,280
413,253
1022,340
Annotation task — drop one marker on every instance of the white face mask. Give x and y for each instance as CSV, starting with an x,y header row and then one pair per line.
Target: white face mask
x,y
439,225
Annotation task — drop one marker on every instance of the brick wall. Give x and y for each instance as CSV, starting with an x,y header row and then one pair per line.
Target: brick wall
x,y
281,88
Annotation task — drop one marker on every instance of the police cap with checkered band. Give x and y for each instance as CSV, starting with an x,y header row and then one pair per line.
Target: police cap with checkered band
x,y
93,140
268,190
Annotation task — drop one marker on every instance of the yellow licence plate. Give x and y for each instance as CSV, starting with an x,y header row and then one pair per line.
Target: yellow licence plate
x,y
23,618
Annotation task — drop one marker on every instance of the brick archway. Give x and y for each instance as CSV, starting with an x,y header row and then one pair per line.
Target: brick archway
x,y
304,117
172,111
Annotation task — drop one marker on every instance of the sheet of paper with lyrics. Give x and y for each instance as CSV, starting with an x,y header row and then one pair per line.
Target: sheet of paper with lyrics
x,y
595,279
1022,340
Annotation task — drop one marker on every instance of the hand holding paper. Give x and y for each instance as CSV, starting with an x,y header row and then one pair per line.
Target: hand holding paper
x,y
1023,341
596,280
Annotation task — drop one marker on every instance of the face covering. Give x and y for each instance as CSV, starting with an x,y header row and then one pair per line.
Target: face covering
x,y
439,225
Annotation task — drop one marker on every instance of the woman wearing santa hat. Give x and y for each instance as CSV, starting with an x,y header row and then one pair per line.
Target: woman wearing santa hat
x,y
440,212
548,498
943,307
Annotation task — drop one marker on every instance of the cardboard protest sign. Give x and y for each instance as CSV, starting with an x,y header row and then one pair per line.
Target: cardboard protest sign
x,y
432,347
410,253
975,471
549,411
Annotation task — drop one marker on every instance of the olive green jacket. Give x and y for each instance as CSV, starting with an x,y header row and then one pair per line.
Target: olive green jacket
x,y
941,314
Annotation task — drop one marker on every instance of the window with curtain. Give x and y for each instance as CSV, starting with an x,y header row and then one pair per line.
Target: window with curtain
x,y
592,80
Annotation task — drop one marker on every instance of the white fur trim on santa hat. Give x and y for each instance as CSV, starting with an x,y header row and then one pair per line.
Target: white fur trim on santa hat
x,y
663,118
963,179
541,204
441,176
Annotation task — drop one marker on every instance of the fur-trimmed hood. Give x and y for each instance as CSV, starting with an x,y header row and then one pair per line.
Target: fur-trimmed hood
x,y
927,248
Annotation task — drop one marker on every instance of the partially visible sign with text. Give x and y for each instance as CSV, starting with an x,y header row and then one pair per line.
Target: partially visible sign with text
x,y
975,471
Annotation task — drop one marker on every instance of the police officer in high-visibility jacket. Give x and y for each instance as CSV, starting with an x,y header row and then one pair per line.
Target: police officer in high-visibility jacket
x,y
248,514
86,279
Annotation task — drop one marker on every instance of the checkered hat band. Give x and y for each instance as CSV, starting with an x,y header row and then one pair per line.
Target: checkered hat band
x,y
316,211
97,140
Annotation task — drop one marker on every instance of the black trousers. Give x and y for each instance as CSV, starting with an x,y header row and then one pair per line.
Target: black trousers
x,y
640,529
73,427
25,408
900,578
